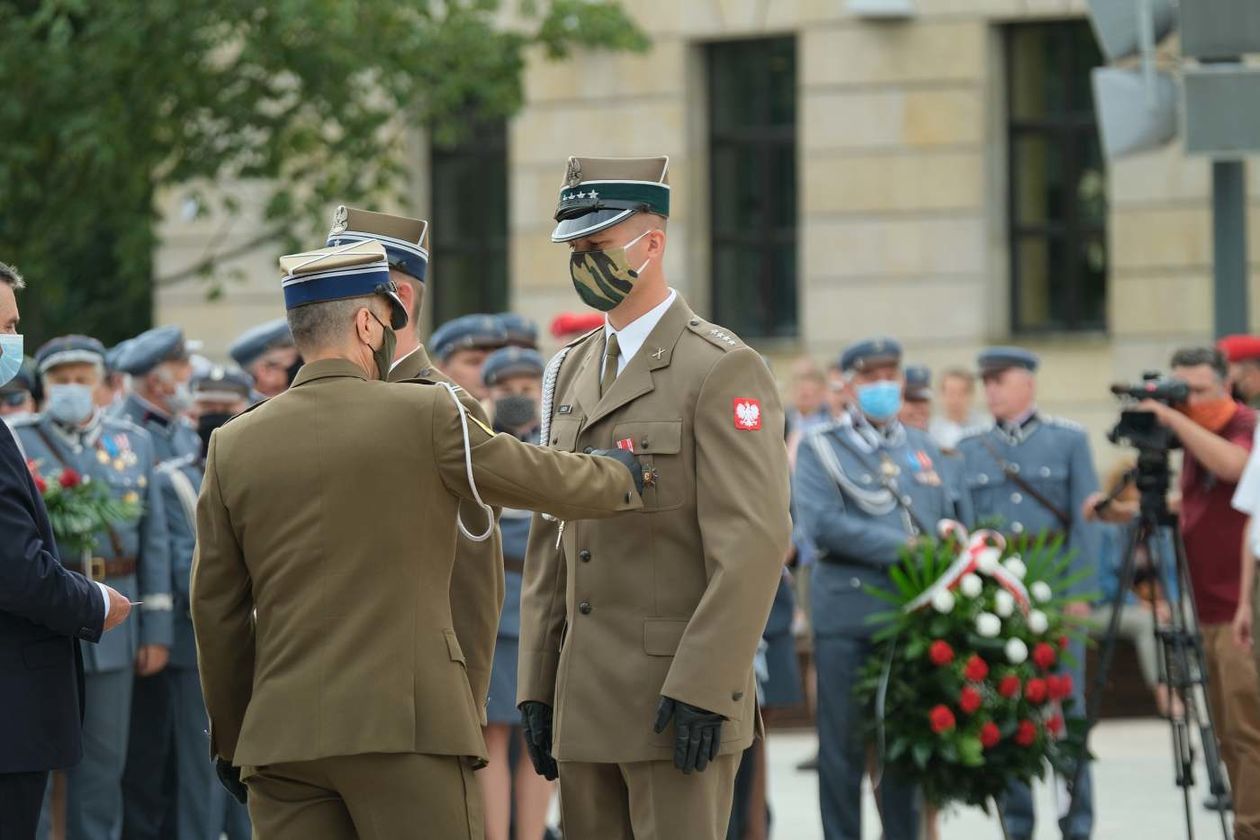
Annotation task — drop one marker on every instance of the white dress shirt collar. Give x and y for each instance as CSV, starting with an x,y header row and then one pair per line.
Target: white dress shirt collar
x,y
631,337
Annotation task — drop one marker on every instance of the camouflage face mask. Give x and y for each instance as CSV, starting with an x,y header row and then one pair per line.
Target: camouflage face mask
x,y
603,279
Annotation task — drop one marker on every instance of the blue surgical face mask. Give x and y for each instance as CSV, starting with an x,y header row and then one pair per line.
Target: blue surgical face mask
x,y
69,404
879,400
10,356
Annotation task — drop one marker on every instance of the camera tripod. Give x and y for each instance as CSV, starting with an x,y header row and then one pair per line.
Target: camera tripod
x,y
1178,643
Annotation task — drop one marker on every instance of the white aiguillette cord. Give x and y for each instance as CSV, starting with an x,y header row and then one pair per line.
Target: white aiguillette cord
x,y
468,465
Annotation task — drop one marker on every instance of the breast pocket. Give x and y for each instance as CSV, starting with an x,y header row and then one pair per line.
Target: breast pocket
x,y
564,433
1050,481
658,444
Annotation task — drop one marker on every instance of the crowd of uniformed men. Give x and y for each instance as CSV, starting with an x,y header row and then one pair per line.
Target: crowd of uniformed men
x,y
647,617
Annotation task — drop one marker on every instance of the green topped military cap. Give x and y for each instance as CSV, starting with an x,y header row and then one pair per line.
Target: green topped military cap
x,y
598,193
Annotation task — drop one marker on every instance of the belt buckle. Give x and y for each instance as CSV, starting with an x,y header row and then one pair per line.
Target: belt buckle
x,y
96,567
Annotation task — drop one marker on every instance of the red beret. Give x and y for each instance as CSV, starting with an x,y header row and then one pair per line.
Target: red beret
x,y
1240,348
576,323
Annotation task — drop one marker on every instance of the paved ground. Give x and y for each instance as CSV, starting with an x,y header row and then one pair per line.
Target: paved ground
x,y
1135,794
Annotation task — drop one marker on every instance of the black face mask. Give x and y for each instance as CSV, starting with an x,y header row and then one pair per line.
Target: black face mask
x,y
206,424
514,411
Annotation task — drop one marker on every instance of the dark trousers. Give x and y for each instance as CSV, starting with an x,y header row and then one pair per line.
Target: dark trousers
x,y
842,749
148,784
21,796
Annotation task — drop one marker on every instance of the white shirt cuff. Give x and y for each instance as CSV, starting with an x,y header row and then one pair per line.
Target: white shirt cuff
x,y
105,596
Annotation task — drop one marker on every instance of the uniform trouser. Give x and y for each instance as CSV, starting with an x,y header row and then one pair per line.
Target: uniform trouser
x,y
1017,806
205,809
646,800
842,749
20,798
366,797
146,784
1234,695
94,801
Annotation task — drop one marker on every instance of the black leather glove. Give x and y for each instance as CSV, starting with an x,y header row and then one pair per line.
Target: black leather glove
x,y
697,733
230,778
536,721
627,459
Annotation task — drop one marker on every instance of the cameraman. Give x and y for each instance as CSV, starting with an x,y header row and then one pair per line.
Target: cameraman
x,y
1216,433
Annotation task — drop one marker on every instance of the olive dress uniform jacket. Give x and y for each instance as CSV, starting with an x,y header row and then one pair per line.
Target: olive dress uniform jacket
x,y
475,616
670,600
325,546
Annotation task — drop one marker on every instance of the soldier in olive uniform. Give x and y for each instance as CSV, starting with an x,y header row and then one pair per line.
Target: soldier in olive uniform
x,y
638,633
476,616
204,810
1030,474
74,434
336,687
866,487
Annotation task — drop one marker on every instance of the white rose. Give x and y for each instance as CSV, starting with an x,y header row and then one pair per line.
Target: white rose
x,y
988,625
1016,651
1037,622
1016,567
988,560
1004,603
943,601
971,586
1041,591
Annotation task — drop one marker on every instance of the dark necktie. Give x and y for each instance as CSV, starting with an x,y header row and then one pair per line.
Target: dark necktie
x,y
611,354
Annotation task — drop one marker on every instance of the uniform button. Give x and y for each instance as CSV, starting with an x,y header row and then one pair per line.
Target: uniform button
x,y
984,479
1045,472
855,582
1016,498
694,322
554,441
866,479
584,556
588,450
1015,468
737,695
1017,527
585,608
644,443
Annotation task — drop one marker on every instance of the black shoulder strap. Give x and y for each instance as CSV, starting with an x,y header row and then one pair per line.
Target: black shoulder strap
x,y
1012,474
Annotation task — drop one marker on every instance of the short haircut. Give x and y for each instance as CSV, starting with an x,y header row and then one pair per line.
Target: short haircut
x,y
11,277
1197,356
318,326
962,374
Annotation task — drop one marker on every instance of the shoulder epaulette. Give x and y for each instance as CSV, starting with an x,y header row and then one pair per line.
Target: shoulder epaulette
x,y
974,431
715,335
581,338
174,464
1064,423
124,423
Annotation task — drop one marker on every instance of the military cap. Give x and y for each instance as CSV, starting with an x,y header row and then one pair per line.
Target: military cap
x,y
468,332
568,324
139,355
255,341
402,238
918,382
353,270
521,332
223,384
1240,348
598,193
997,359
871,352
69,349
113,354
511,361
16,389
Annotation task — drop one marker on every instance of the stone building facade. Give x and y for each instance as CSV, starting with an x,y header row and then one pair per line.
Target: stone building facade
x,y
934,177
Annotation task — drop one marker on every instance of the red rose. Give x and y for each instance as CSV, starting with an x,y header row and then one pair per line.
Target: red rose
x,y
1044,655
69,479
969,700
1026,734
940,653
1055,724
977,669
1009,686
990,735
1054,686
1064,641
40,484
1036,691
1066,685
942,719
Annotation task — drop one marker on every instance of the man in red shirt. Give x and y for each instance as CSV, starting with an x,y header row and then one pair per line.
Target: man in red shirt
x,y
1216,433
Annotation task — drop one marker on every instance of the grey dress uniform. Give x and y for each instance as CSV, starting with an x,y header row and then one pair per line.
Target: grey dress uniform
x,y
849,476
1052,456
131,558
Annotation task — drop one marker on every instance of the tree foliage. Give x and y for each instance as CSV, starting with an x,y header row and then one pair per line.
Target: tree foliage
x,y
108,104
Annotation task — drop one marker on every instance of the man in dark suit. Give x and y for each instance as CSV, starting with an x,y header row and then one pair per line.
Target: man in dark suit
x,y
45,610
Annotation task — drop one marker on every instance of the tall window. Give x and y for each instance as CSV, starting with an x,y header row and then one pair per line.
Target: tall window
x,y
1058,197
752,178
470,225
